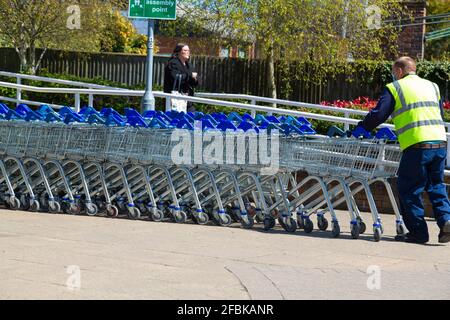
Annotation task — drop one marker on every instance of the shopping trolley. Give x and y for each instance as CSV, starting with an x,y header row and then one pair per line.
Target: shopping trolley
x,y
92,162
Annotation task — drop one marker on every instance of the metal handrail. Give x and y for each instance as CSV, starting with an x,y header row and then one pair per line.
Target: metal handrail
x,y
281,102
168,96
55,80
20,76
346,111
93,89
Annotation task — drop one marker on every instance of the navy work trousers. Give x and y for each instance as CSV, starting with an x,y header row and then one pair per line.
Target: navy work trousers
x,y
422,169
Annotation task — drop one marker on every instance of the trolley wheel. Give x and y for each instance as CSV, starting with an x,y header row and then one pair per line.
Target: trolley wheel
x,y
362,225
249,223
225,220
281,222
24,203
157,215
377,234
401,230
54,207
336,230
251,210
269,223
291,227
134,213
14,203
308,225
143,209
202,218
215,218
91,210
112,211
322,223
300,223
235,215
74,209
180,217
355,230
34,206
44,204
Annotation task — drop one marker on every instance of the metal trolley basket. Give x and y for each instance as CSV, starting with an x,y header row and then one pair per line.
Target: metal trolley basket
x,y
134,170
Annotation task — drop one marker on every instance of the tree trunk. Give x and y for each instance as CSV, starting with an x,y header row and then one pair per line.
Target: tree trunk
x,y
22,53
32,59
21,49
38,63
271,81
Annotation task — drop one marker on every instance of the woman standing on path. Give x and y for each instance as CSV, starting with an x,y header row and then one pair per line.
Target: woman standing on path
x,y
179,69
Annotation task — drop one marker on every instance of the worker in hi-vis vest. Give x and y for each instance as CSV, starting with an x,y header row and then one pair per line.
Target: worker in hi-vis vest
x,y
416,108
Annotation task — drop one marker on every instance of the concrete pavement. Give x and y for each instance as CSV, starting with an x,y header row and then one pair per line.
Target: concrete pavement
x,y
44,256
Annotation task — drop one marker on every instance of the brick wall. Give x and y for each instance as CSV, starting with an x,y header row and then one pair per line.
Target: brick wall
x,y
198,46
411,39
380,196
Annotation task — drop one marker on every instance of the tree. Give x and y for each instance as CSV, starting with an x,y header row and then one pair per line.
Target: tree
x,y
120,35
31,24
438,49
316,31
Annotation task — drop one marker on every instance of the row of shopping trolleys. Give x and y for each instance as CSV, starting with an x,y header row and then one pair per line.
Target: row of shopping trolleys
x,y
77,182
162,120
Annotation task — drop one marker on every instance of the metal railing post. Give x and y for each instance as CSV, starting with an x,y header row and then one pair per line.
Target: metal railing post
x,y
168,104
18,91
253,112
346,125
91,99
77,102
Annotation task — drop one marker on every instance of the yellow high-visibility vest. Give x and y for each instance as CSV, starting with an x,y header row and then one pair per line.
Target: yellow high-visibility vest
x,y
417,116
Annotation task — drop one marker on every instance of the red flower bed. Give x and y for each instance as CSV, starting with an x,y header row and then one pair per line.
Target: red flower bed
x,y
358,103
362,103
447,105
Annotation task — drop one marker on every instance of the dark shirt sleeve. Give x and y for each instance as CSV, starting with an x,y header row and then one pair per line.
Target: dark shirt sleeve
x,y
441,106
380,113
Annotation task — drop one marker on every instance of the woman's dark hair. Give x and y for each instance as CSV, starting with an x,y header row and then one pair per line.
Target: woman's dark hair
x,y
178,49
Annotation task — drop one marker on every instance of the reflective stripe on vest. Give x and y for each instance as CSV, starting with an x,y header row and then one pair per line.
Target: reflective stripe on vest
x,y
417,115
415,106
420,124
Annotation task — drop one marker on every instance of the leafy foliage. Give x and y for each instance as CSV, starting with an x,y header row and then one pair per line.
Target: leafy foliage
x,y
27,25
438,49
322,32
120,35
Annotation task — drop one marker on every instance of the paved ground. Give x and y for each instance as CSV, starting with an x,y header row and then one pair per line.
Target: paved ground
x,y
121,259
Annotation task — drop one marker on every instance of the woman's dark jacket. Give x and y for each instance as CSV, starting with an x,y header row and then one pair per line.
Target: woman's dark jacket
x,y
173,68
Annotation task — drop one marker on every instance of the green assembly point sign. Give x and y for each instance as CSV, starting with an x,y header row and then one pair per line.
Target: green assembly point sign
x,y
153,9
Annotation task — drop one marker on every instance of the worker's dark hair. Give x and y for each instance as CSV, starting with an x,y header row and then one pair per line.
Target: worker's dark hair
x,y
407,64
178,49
